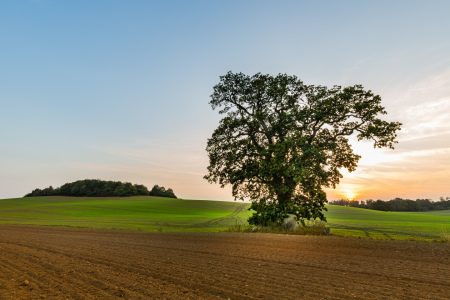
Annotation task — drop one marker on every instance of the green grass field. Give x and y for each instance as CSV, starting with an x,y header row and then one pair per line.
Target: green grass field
x,y
137,213
388,225
166,214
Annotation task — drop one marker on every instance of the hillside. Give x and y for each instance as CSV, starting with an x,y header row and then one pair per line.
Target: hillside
x,y
166,214
391,225
137,213
102,188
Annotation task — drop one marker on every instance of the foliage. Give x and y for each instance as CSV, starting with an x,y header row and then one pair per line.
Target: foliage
x,y
317,228
445,236
41,193
98,188
266,214
397,204
162,192
281,141
272,214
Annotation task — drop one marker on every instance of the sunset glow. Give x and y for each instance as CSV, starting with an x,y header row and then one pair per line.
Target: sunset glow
x,y
120,90
350,195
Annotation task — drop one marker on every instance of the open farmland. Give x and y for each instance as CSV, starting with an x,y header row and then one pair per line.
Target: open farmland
x,y
136,213
57,262
81,263
167,214
388,225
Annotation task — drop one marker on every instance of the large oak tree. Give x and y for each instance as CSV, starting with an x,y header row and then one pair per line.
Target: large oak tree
x,y
281,141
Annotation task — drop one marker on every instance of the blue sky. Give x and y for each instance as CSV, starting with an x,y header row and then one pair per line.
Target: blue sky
x,y
119,90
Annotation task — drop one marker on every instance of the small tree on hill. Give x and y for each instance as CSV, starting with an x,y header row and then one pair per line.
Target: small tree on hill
x,y
281,141
162,192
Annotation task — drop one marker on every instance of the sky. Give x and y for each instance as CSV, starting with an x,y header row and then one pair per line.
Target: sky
x,y
119,90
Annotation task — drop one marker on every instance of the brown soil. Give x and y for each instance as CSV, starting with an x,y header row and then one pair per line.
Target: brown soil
x,y
55,262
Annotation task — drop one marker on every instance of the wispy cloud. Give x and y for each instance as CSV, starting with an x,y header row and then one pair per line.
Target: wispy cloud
x,y
157,155
415,174
180,165
419,165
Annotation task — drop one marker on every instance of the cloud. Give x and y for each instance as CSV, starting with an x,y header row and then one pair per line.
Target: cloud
x,y
418,167
415,174
428,119
176,157
179,165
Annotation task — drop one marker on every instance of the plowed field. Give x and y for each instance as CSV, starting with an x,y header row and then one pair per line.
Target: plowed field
x,y
60,263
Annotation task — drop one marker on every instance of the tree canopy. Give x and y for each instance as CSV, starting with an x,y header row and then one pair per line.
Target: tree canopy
x,y
162,192
281,142
101,188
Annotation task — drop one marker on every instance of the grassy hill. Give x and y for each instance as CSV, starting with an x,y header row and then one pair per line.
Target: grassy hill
x,y
392,225
138,213
154,213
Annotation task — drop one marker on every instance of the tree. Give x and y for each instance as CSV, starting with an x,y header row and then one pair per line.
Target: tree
x,y
162,192
281,141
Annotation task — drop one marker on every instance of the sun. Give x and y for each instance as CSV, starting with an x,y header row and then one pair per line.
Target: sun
x,y
349,194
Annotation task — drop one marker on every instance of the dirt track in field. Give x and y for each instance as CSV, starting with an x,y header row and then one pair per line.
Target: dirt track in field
x,y
60,263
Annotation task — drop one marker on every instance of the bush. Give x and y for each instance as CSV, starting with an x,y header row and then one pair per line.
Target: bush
x,y
162,192
313,227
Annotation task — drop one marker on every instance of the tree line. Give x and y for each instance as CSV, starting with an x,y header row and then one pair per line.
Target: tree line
x,y
101,188
397,204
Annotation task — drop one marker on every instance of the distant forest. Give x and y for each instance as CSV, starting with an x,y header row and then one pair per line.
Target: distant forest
x,y
397,204
101,188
